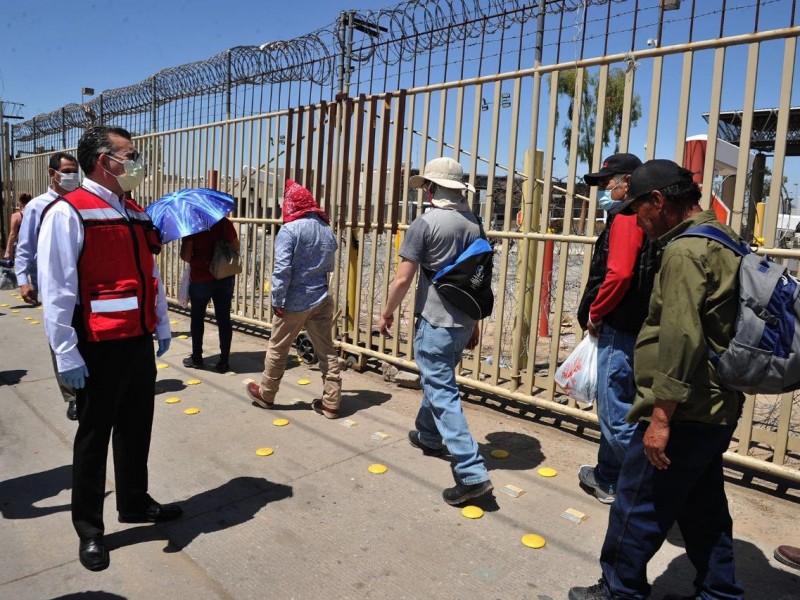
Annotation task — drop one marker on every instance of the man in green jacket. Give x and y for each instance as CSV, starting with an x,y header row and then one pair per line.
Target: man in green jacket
x,y
673,468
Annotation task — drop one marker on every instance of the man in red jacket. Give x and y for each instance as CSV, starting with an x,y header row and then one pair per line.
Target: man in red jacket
x,y
621,279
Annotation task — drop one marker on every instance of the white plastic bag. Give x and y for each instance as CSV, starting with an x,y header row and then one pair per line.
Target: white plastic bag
x,y
577,375
183,288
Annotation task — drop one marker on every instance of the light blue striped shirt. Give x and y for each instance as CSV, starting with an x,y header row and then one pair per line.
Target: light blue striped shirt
x,y
304,251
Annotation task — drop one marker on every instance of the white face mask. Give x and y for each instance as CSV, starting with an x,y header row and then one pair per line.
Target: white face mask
x,y
134,173
68,181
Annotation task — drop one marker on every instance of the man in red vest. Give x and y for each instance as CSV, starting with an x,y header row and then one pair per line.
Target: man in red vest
x,y
103,300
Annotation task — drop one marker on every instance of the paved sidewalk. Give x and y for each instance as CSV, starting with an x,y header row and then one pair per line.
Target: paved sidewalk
x,y
310,521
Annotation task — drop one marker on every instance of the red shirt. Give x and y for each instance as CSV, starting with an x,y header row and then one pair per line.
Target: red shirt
x,y
625,241
203,248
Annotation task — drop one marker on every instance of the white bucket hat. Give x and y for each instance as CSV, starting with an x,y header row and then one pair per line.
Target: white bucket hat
x,y
444,172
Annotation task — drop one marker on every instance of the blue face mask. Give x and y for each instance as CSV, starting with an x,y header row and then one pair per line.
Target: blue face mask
x,y
605,202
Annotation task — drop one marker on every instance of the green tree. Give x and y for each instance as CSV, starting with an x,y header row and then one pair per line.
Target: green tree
x,y
612,122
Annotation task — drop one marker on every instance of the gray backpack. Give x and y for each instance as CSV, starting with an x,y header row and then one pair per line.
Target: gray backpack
x,y
764,354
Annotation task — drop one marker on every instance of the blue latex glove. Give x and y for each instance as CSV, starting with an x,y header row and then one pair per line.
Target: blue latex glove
x,y
163,346
75,378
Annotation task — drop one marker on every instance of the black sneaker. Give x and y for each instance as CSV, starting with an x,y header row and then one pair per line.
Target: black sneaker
x,y
222,367
593,592
190,362
413,437
72,411
461,493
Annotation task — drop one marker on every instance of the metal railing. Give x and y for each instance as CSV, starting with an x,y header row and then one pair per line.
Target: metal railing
x,y
356,155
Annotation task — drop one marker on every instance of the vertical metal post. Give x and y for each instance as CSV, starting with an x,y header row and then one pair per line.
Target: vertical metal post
x,y
228,84
154,117
340,34
537,56
756,193
63,128
102,116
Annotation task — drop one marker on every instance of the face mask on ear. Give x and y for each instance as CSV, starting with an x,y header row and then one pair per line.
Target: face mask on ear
x,y
68,181
605,201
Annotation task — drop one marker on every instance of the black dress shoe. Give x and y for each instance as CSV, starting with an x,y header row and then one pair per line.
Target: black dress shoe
x,y
154,513
191,362
93,554
72,411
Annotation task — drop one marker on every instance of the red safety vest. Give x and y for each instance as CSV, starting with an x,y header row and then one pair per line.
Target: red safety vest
x,y
115,269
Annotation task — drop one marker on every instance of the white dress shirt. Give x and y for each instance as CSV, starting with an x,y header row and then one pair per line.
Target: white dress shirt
x,y
60,246
25,258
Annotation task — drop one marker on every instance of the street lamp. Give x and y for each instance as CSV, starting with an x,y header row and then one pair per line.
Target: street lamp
x,y
86,92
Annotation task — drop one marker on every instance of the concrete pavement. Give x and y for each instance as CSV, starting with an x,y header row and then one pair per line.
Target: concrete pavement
x,y
310,521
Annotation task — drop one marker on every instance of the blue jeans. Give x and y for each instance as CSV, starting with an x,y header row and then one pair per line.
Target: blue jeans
x,y
437,351
616,391
220,291
691,492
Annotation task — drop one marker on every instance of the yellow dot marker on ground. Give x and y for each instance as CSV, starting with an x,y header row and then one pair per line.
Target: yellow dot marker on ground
x,y
378,469
14,310
162,366
533,541
193,382
192,411
172,400
547,472
183,337
264,451
472,512
5,304
28,318
173,322
280,422
499,453
35,322
303,381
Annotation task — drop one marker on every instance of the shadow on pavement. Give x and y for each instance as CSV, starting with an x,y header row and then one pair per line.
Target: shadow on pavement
x,y
753,572
228,505
164,386
90,595
12,377
524,451
20,494
354,401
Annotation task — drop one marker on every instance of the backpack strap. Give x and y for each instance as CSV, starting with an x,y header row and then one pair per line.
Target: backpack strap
x,y
741,249
711,232
430,273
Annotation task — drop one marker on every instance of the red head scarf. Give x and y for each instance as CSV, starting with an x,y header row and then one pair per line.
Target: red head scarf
x,y
298,203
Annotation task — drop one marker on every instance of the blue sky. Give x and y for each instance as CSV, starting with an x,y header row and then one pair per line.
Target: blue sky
x,y
50,50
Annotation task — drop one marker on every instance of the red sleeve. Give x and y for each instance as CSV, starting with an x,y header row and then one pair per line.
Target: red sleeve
x,y
624,243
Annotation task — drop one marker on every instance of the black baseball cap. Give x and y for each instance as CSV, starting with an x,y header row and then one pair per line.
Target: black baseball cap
x,y
655,174
614,165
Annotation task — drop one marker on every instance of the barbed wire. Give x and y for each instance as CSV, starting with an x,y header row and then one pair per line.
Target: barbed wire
x,y
308,58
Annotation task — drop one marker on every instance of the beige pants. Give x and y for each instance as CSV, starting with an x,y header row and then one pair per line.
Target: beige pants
x,y
318,323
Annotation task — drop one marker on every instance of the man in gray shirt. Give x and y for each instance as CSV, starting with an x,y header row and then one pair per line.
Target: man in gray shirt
x,y
442,331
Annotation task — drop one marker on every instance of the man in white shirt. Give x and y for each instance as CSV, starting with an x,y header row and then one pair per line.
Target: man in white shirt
x,y
63,172
103,299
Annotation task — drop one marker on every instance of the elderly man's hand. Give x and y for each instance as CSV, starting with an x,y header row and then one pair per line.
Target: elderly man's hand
x,y
28,293
385,324
655,443
278,311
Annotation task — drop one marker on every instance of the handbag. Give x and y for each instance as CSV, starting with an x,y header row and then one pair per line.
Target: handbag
x,y
226,261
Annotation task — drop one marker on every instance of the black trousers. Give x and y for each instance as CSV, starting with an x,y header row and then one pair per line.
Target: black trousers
x,y
117,403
